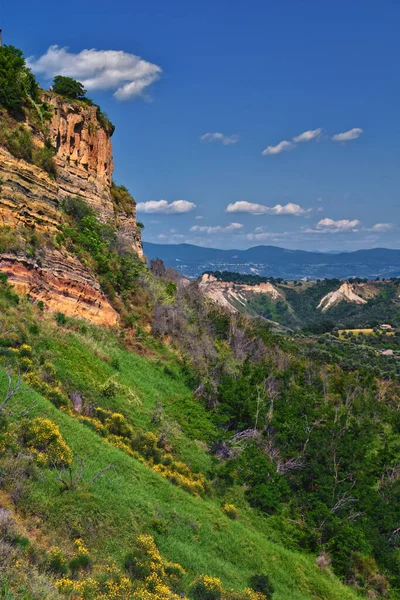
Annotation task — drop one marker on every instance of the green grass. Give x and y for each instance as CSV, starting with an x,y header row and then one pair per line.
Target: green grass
x,y
120,505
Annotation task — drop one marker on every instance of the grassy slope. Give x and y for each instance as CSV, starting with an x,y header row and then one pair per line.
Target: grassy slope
x,y
115,508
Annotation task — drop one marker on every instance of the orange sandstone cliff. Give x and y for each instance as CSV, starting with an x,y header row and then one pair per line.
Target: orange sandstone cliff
x,y
30,198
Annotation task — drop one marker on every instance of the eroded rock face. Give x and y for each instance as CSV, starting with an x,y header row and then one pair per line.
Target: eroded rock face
x,y
29,197
62,283
228,294
346,292
83,155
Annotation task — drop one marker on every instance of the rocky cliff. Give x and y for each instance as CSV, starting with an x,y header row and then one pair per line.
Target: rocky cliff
x,y
30,198
345,293
232,295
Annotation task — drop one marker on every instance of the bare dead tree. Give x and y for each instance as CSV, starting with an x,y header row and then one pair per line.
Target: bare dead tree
x,y
71,477
271,386
14,387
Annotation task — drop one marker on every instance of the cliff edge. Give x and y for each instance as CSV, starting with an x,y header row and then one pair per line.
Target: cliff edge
x,y
31,199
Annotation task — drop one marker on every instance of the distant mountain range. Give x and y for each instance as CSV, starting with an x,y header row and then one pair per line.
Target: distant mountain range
x,y
272,261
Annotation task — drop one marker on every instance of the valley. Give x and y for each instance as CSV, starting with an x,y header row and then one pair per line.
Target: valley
x,y
232,437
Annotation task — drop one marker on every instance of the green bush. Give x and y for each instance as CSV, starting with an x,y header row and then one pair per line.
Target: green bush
x,y
81,562
60,318
207,588
68,87
44,158
97,245
16,80
122,199
262,583
57,563
19,142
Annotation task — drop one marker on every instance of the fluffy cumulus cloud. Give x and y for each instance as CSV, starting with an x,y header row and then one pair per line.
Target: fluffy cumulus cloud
x,y
308,136
164,207
346,136
217,228
329,225
260,209
281,147
381,227
226,140
127,75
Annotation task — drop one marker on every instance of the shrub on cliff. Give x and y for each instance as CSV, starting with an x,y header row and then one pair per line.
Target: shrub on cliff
x,y
19,141
68,87
122,200
96,244
16,80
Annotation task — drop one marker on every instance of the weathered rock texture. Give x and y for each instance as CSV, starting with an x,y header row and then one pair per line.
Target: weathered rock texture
x,y
62,283
346,292
231,295
29,197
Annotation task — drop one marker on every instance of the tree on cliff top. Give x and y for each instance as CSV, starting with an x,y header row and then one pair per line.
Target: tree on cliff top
x,y
16,81
68,87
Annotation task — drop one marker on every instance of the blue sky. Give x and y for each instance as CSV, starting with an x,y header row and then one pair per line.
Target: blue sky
x,y
257,73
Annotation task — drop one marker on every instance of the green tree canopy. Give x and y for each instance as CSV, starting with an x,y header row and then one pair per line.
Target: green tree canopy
x,y
68,87
16,80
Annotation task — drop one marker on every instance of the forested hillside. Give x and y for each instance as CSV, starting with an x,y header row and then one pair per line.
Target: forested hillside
x,y
153,445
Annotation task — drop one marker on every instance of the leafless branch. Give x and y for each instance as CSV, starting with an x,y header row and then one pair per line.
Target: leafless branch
x,y
13,387
99,473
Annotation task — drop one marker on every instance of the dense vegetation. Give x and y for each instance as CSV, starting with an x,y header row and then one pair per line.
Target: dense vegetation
x,y
143,528
189,451
68,87
16,81
99,246
298,309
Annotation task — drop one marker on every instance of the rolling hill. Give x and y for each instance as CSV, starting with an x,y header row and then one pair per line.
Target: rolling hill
x,y
273,261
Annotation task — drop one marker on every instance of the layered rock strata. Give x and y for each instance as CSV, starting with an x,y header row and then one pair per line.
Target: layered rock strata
x,y
30,198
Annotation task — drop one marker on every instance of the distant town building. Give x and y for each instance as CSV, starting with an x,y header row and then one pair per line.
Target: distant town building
x,y
385,326
387,352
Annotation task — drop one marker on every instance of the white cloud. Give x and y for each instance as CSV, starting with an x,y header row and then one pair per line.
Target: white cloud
x,y
352,134
226,140
217,228
281,147
259,237
124,73
307,136
329,225
162,206
260,209
199,217
381,227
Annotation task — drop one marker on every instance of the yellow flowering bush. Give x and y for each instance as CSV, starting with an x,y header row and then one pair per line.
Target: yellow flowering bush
x,y
247,594
65,585
230,511
25,351
57,562
113,585
43,440
119,443
92,423
207,588
81,560
194,483
118,425
52,391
